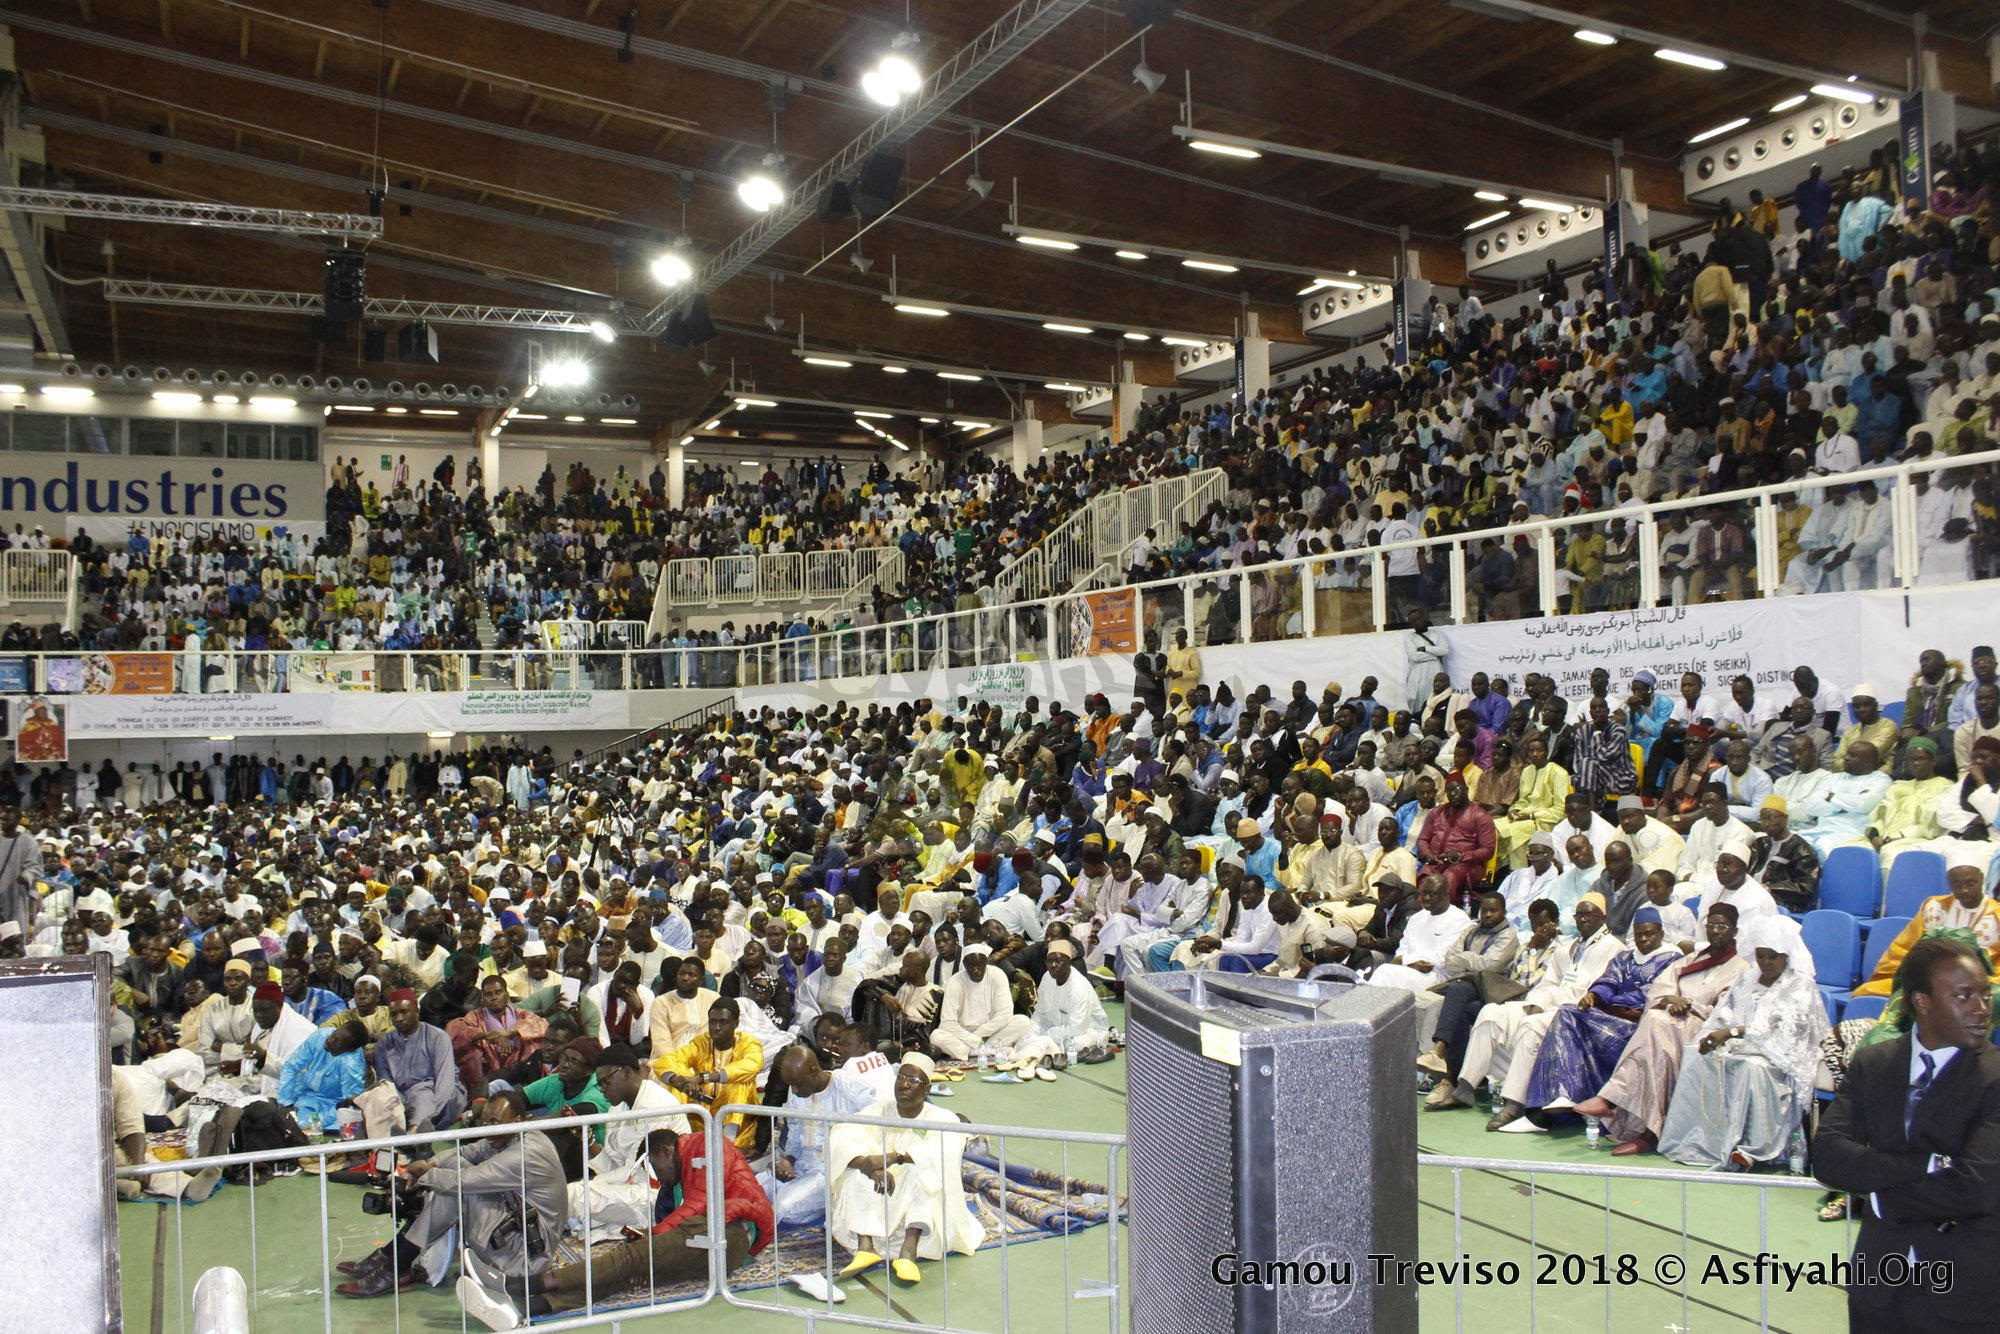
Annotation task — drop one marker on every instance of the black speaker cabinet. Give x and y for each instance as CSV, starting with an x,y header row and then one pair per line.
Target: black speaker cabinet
x,y
1273,1140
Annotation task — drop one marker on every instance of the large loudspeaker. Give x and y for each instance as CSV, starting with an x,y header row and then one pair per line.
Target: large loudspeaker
x,y
343,285
837,204
875,188
1271,1120
417,342
690,327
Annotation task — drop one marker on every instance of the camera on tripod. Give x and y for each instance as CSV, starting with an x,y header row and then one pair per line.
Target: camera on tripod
x,y
408,1200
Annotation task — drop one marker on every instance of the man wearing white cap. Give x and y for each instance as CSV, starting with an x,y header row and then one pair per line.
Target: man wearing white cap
x,y
900,1188
977,1013
1068,1017
1732,883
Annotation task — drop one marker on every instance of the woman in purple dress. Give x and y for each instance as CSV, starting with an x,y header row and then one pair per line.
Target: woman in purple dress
x,y
1587,1038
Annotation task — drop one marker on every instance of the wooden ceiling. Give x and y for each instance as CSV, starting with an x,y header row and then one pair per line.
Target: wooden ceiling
x,y
526,164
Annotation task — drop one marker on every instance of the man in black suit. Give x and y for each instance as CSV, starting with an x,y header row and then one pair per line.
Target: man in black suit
x,y
1914,1138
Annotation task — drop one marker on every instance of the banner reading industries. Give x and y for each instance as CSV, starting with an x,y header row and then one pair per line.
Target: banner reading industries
x,y
124,487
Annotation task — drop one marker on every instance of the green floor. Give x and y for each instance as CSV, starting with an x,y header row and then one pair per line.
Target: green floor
x,y
1566,1216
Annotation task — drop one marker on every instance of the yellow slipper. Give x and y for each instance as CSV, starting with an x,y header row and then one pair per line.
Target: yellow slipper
x,y
862,1260
906,1271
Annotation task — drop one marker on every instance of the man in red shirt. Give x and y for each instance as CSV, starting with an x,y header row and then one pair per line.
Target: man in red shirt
x,y
667,1253
1457,841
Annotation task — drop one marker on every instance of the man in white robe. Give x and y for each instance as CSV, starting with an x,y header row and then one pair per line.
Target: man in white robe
x,y
977,1013
619,1191
901,1188
1431,933
1068,1018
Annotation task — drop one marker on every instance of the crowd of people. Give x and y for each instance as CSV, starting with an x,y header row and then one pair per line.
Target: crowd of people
x,y
835,912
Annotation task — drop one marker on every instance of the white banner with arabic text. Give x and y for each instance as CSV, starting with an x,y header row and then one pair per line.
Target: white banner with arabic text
x,y
488,711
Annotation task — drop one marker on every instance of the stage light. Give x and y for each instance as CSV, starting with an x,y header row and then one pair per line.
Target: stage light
x,y
394,410
603,332
878,416
573,419
760,191
972,426
564,374
671,269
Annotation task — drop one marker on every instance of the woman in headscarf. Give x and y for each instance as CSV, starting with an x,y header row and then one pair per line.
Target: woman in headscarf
x,y
1746,1087
1634,1100
493,1034
1964,907
1587,1038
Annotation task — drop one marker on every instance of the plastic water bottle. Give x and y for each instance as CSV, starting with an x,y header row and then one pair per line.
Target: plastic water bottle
x,y
1593,1130
1795,1156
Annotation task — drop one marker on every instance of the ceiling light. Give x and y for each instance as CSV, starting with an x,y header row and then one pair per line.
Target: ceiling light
x,y
686,440
572,419
13,389
1795,100
979,185
878,416
1529,201
910,308
603,332
494,433
1054,326
671,269
1490,196
1488,220
957,375
1690,59
1223,150
756,403
1046,242
1208,266
1063,388
760,191
712,425
566,372
1182,342
1595,38
748,463
1130,254
1842,93
834,362
221,736
427,412
67,393
440,734
618,421
895,370
894,77
341,407
394,410
1725,128
972,426
175,396
531,416
928,421
1135,337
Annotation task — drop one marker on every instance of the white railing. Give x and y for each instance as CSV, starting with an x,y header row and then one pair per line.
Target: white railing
x,y
887,573
1097,532
44,580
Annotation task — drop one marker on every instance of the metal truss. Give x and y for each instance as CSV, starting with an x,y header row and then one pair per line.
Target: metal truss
x,y
309,303
978,61
228,217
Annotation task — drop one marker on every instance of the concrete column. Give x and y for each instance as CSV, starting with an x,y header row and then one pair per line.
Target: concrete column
x,y
1027,443
1256,360
1125,399
676,471
489,461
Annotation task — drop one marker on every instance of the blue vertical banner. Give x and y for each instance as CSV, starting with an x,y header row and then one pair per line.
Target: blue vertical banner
x,y
1399,331
1914,174
1614,243
1242,380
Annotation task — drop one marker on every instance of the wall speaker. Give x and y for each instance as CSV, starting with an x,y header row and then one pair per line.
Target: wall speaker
x,y
342,285
417,343
875,188
374,343
361,385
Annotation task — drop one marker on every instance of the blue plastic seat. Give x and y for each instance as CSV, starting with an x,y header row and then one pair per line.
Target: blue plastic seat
x,y
1885,933
1835,942
1851,881
1863,1007
1914,877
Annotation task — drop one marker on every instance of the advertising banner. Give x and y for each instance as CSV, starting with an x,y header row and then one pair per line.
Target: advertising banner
x,y
102,716
1104,623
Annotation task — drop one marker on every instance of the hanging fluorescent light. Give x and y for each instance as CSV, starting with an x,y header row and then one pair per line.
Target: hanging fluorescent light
x,y
1725,128
748,463
1795,100
341,407
13,389
427,412
834,362
1208,266
1223,150
1486,221
1182,342
394,410
573,419
760,191
1529,201
1131,336
531,416
1594,37
1131,254
957,375
972,426
1046,242
1690,59
878,416
175,397
618,421
671,269
1841,92
1054,326
756,403
1063,387
928,421
686,440
1490,196
911,308
895,370
710,426
70,393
